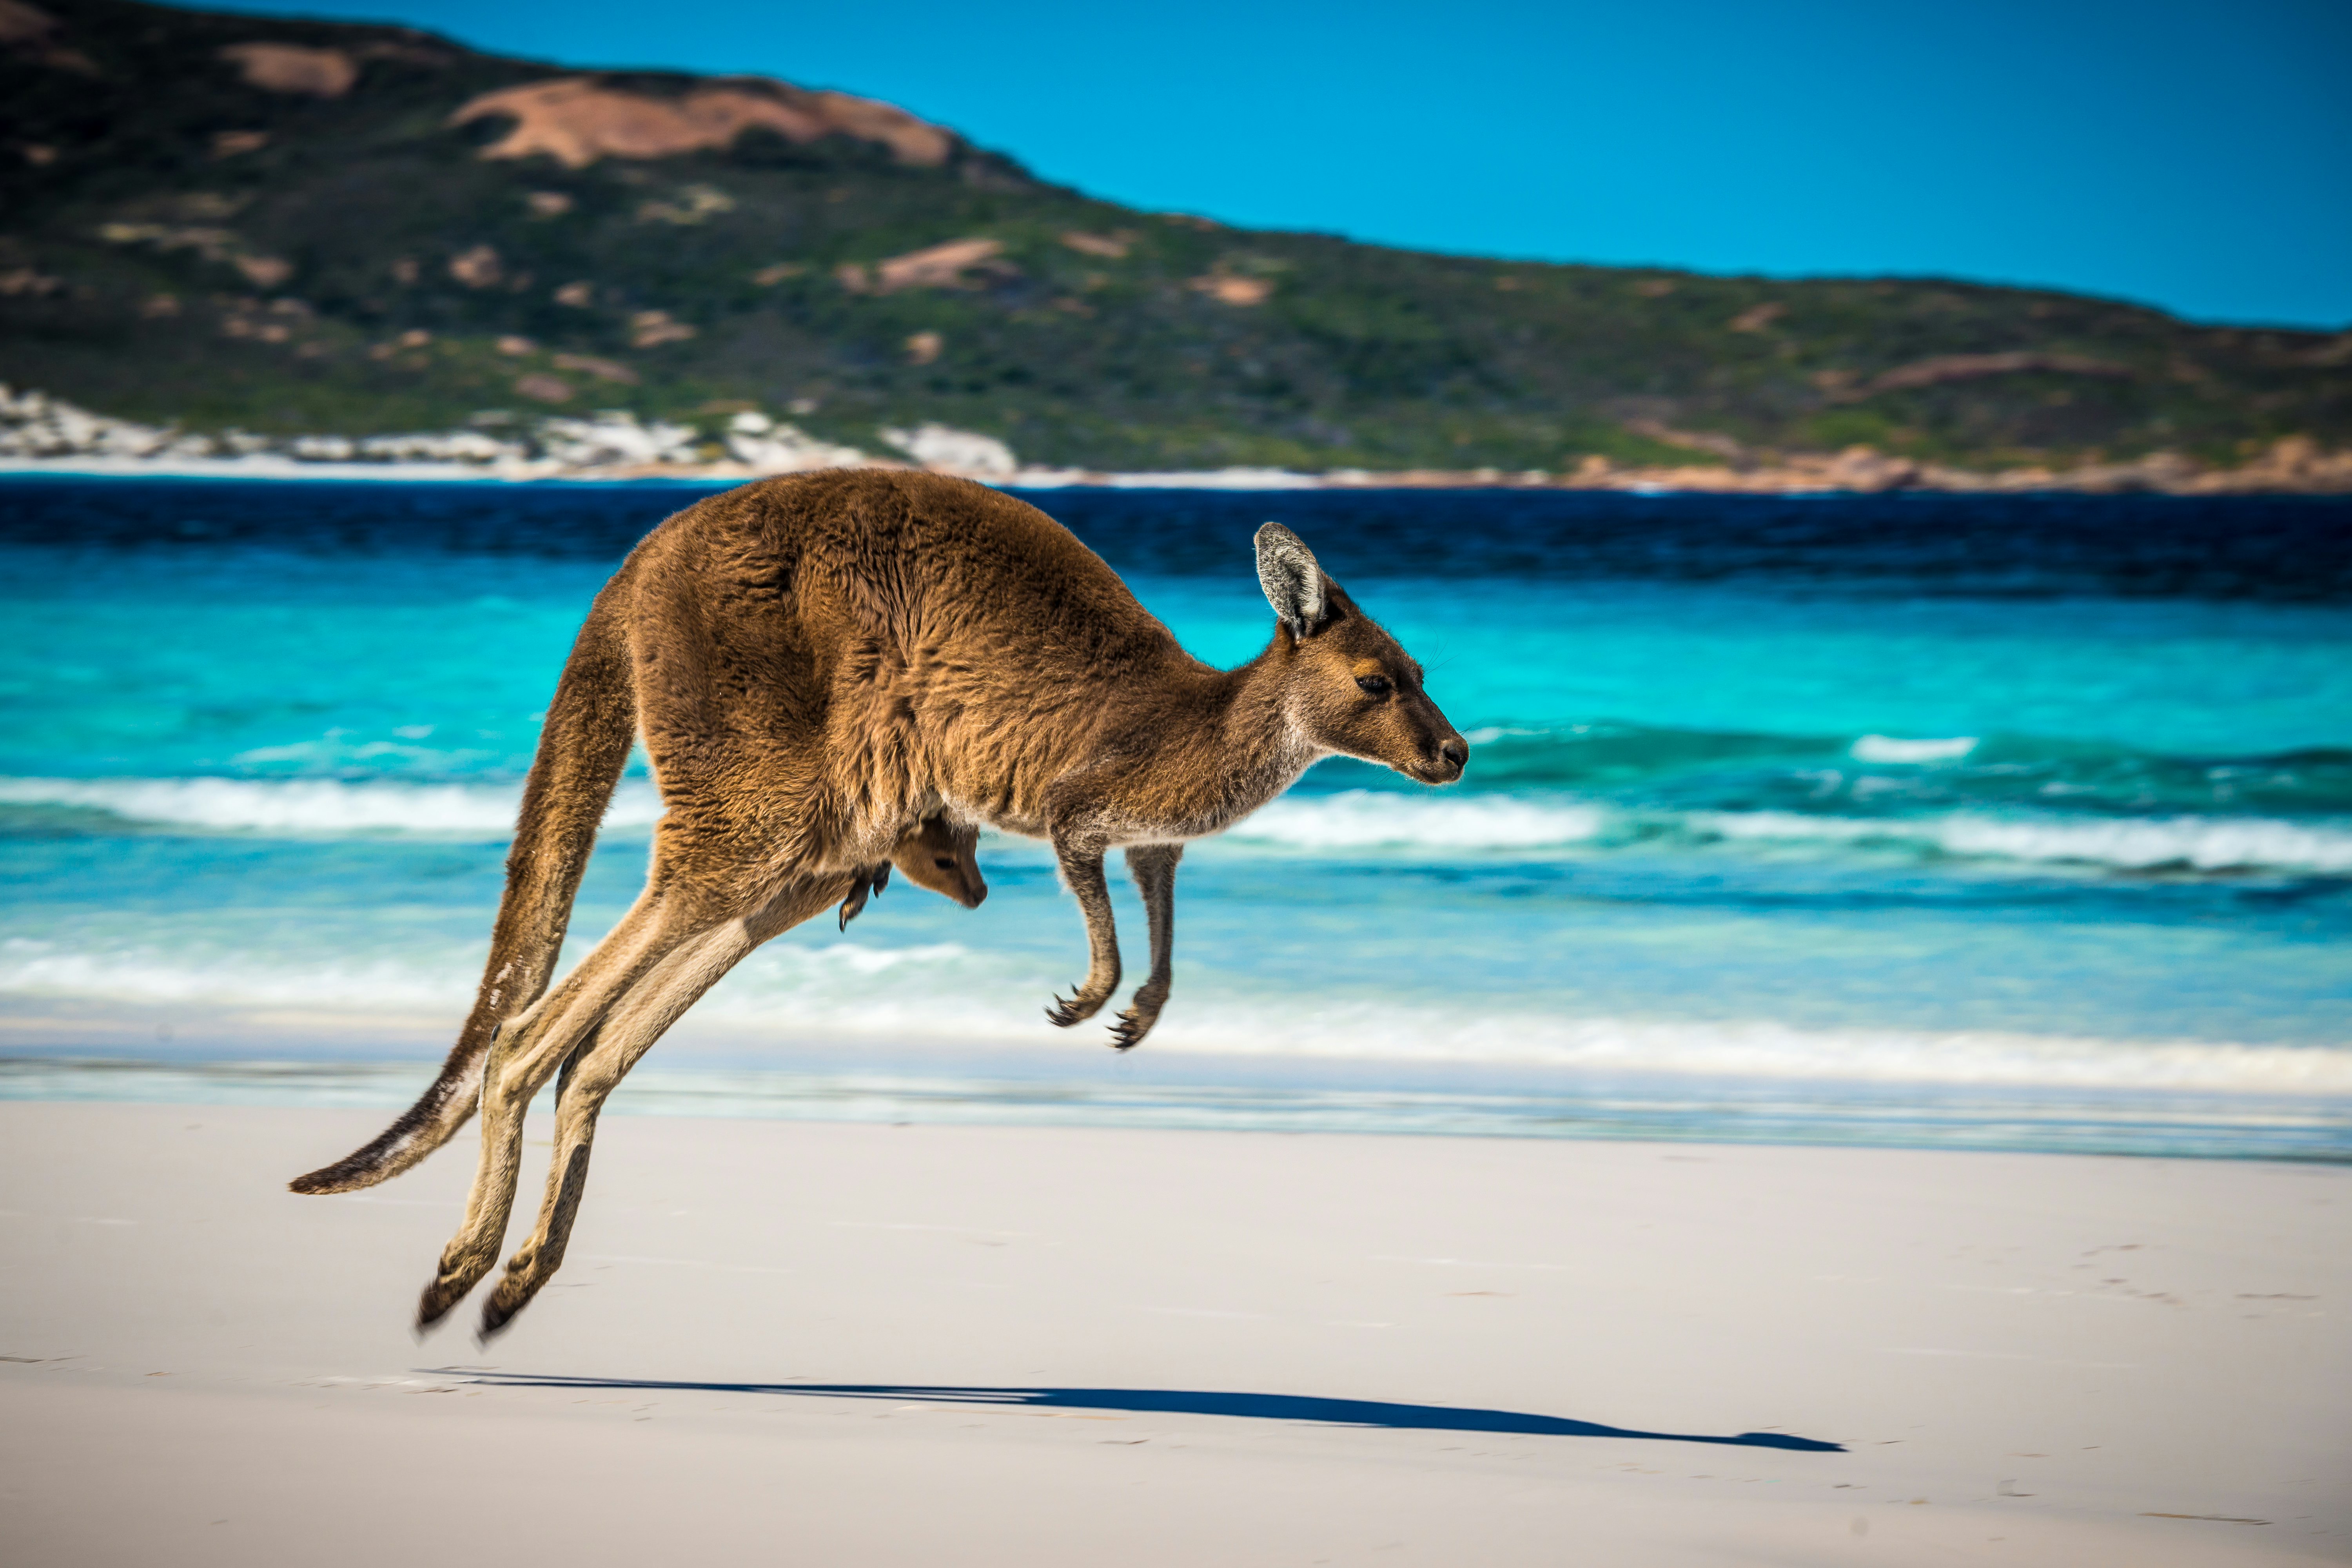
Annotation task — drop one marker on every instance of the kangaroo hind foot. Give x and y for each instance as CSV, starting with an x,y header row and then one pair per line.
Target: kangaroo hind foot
x,y
1154,865
1137,1021
1082,1003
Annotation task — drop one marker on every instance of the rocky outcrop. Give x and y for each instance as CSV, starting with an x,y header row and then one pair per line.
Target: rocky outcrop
x,y
2295,465
578,119
765,446
1942,368
1233,289
472,446
944,449
22,24
37,429
291,68
33,31
616,440
34,425
1709,441
1111,247
611,443
948,266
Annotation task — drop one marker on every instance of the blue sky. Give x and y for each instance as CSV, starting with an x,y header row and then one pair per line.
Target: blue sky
x,y
2189,154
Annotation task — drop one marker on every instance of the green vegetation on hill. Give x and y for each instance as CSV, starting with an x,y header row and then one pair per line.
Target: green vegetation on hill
x,y
286,243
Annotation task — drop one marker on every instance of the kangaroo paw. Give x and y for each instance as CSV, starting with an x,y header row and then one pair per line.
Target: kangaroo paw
x,y
509,1298
1076,1009
461,1269
1134,1024
437,1299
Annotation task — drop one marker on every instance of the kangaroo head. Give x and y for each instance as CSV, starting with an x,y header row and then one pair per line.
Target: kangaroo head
x,y
1347,684
943,855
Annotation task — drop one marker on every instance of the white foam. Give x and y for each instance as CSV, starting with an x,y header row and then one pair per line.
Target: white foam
x,y
1366,819
2205,844
2139,843
313,807
1754,1048
1358,820
831,975
1889,748
1794,825
38,969
1382,819
944,993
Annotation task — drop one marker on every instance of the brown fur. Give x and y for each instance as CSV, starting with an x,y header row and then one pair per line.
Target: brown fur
x,y
821,669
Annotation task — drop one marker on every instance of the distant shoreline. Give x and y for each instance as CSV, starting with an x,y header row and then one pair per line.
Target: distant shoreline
x,y
42,434
2290,469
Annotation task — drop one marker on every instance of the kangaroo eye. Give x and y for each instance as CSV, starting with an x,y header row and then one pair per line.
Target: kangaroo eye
x,y
943,863
1373,685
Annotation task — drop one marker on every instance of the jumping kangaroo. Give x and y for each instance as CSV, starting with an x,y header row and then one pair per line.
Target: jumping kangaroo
x,y
817,666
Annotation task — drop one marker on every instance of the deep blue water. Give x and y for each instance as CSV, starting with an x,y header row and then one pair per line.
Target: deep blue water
x,y
1896,803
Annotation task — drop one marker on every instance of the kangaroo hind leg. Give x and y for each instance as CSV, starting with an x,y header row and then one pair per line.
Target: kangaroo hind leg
x,y
526,1053
1082,869
1154,865
638,1019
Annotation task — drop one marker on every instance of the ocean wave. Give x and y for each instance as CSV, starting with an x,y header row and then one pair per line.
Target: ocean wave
x,y
1889,748
1952,771
2201,844
311,807
1361,821
1371,819
832,973
2146,844
1391,820
1754,1048
945,994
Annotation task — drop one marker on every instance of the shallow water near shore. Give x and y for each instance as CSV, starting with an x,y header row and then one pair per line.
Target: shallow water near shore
x,y
2017,822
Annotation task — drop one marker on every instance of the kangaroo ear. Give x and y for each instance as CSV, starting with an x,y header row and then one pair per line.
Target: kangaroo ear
x,y
1293,582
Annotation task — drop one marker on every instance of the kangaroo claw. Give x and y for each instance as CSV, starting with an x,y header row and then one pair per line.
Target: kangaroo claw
x,y
1133,1025
1075,1010
496,1316
434,1305
869,884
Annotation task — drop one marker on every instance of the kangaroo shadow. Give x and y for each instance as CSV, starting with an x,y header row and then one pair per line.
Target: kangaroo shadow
x,y
1291,1407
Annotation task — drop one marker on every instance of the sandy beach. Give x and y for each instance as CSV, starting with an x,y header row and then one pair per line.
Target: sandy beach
x,y
893,1344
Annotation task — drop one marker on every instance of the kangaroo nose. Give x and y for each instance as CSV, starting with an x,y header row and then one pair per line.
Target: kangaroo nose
x,y
1457,752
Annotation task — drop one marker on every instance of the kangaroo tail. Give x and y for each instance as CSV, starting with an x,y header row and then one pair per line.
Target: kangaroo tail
x,y
585,744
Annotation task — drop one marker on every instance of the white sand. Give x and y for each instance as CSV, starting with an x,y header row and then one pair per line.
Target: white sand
x,y
2026,1359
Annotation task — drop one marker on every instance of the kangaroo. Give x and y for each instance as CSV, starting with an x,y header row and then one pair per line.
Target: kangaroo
x,y
936,853
817,666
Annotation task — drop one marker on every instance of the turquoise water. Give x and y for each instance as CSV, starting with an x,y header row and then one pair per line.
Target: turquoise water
x,y
1907,812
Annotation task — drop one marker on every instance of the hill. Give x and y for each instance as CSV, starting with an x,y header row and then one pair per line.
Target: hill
x,y
289,227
